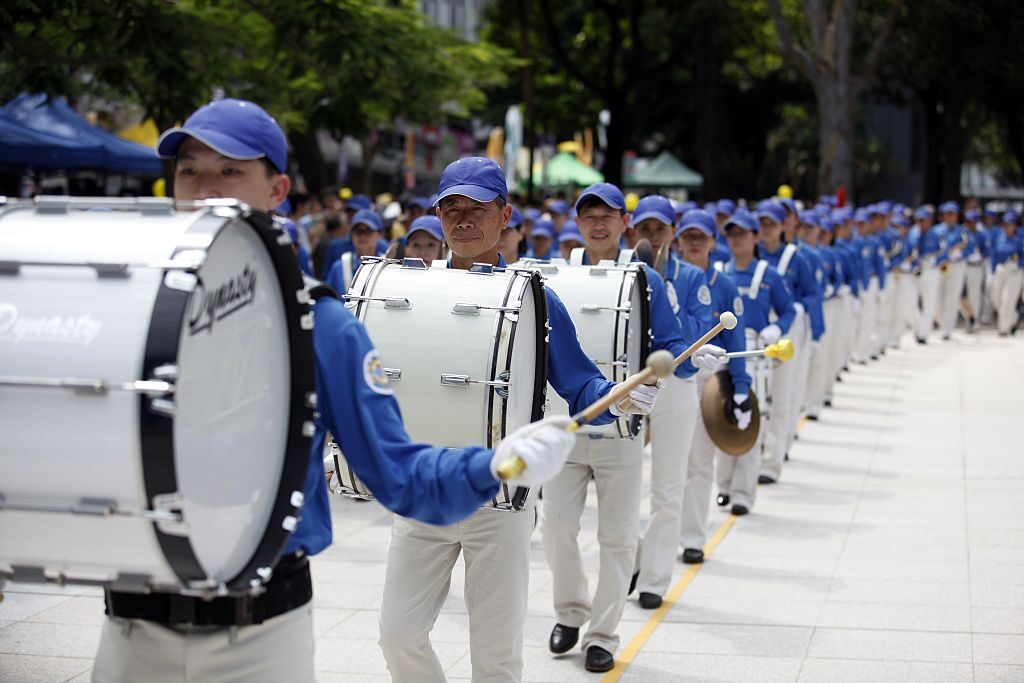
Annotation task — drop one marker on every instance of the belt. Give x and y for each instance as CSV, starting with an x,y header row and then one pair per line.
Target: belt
x,y
289,587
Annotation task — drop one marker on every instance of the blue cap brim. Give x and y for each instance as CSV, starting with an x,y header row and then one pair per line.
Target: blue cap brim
x,y
730,223
767,214
168,144
426,230
474,192
639,218
683,228
371,226
599,196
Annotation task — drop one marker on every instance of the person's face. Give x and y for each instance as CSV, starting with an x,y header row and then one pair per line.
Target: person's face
x,y
655,232
508,242
364,239
1010,228
415,211
566,248
926,222
771,232
695,245
741,242
949,218
602,226
541,244
202,173
423,245
472,228
825,237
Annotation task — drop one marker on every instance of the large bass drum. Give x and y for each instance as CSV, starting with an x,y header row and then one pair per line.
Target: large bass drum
x,y
610,306
466,353
156,384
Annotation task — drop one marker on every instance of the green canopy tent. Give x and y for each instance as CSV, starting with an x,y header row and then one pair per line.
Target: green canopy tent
x,y
666,172
565,170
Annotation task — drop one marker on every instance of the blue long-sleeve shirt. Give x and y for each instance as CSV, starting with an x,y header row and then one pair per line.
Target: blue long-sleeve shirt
x,y
817,264
692,295
802,284
1006,248
851,264
725,297
772,295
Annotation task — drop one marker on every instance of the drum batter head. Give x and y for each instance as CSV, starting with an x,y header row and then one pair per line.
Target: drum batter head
x,y
723,432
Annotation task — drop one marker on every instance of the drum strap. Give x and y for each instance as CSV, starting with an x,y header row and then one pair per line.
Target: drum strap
x,y
290,587
346,268
625,257
576,256
755,282
323,289
787,256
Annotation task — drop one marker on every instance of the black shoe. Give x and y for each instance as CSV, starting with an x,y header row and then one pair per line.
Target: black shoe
x,y
762,479
828,403
650,600
839,378
563,639
693,556
632,582
785,457
740,510
922,341
874,357
814,418
599,659
722,499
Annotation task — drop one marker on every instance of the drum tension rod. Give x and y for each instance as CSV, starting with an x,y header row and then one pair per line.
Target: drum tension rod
x,y
90,386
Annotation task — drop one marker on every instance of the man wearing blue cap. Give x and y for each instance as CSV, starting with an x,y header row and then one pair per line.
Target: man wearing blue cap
x,y
928,249
1007,255
365,238
472,206
232,148
425,239
902,264
952,266
974,277
807,235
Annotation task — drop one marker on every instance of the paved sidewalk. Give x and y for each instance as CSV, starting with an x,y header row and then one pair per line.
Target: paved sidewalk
x,y
892,549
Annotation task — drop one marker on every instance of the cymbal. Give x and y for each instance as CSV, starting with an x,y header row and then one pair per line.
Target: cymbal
x,y
724,433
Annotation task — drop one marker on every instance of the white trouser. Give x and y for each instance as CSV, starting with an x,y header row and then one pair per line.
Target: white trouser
x,y
496,545
928,288
803,362
785,377
988,309
974,280
1005,293
889,334
949,298
617,469
884,316
844,325
854,309
906,303
693,528
818,377
279,649
868,320
736,476
673,422
835,312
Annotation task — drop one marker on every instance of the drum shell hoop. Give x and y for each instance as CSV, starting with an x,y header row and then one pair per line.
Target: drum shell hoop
x,y
644,330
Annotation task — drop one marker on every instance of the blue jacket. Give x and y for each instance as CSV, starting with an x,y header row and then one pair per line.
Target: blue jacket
x,y
692,296
802,284
817,264
342,245
851,264
725,297
773,295
1006,248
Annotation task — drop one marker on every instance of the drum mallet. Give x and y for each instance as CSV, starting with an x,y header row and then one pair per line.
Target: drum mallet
x,y
781,351
659,364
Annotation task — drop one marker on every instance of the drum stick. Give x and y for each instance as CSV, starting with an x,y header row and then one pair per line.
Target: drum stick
x,y
659,364
781,351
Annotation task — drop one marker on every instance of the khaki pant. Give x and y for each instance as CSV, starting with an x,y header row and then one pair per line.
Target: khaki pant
x,y
673,421
421,558
1005,294
700,471
866,343
928,288
280,649
785,411
617,469
974,280
952,285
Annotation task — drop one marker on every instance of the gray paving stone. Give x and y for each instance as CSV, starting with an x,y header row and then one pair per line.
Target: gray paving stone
x,y
890,645
998,649
994,673
667,668
50,640
857,671
34,669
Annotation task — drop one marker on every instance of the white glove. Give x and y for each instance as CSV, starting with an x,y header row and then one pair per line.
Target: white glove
x,y
709,357
543,446
829,291
770,334
641,400
741,412
906,267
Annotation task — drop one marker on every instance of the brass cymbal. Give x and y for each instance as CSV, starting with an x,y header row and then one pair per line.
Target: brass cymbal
x,y
723,432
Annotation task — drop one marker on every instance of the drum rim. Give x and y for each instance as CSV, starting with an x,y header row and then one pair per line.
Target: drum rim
x,y
157,430
640,280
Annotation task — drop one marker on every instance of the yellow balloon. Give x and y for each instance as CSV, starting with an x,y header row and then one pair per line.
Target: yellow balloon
x,y
159,187
632,199
345,193
785,191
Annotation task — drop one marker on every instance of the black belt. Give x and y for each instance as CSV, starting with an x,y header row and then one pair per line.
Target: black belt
x,y
289,587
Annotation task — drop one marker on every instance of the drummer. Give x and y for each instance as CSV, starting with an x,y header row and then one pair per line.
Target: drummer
x,y
366,240
697,239
763,291
472,206
232,148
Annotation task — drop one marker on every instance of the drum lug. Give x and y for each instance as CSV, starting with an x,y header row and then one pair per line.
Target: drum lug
x,y
502,391
469,308
481,269
392,302
594,308
414,264
169,506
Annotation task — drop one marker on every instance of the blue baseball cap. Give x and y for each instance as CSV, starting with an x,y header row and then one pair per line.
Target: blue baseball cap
x,y
842,214
543,228
924,211
570,235
516,221
427,224
558,206
700,220
237,129
810,218
725,207
861,216
478,178
654,206
901,220
972,215
422,202
949,207
772,211
531,214
827,225
358,202
1010,216
606,192
744,219
787,204
367,218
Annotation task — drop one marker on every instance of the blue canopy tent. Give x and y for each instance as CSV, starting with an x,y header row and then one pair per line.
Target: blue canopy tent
x,y
21,146
54,119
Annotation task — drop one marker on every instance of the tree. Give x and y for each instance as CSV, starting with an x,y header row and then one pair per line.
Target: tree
x,y
824,53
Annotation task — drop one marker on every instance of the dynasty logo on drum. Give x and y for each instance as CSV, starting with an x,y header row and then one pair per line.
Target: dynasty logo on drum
x,y
66,329
210,305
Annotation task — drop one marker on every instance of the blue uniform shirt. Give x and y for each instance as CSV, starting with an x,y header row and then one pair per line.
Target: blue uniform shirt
x,y
773,295
816,262
343,245
725,297
692,296
802,285
1005,248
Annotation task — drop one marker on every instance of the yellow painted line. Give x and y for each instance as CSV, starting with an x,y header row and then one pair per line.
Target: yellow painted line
x,y
640,639
622,662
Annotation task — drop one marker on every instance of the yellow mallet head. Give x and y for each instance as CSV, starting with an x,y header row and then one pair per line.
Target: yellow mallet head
x,y
727,319
781,350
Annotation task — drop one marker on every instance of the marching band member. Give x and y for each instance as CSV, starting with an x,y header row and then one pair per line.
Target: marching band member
x,y
365,234
473,212
697,237
511,244
425,239
616,466
870,284
569,239
673,421
542,237
788,379
1007,251
851,290
233,148
928,247
808,231
905,316
765,293
952,266
834,307
974,278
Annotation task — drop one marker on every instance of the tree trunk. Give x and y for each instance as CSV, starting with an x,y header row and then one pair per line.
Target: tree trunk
x,y
529,136
954,144
933,166
835,129
618,134
306,151
371,146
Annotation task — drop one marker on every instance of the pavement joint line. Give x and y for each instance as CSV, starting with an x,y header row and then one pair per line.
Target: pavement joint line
x,y
640,639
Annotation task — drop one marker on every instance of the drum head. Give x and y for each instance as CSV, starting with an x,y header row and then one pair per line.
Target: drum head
x,y
723,432
232,397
